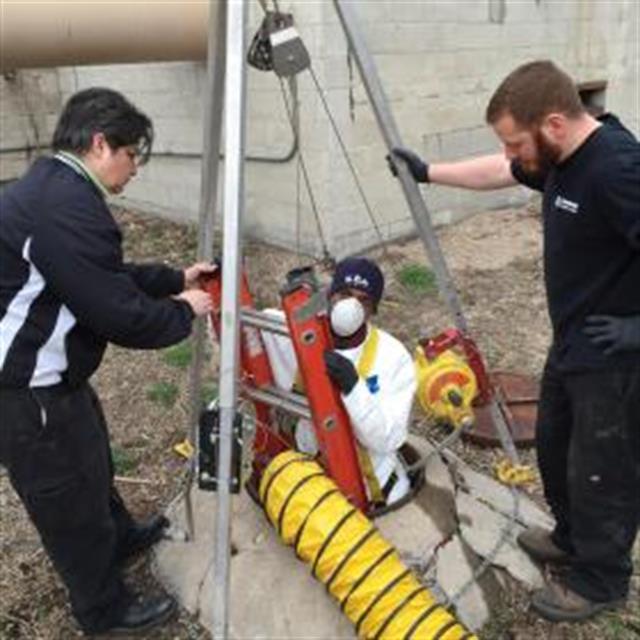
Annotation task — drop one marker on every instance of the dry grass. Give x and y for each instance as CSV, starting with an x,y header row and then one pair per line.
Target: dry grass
x,y
495,259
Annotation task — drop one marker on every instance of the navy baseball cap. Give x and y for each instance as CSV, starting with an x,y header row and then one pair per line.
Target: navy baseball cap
x,y
358,273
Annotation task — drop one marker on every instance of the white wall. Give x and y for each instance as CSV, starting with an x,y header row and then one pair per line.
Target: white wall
x,y
439,61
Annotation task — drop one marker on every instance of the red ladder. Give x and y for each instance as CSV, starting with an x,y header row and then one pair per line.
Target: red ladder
x,y
308,328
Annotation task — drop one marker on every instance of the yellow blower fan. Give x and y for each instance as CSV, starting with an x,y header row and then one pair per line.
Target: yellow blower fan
x,y
446,384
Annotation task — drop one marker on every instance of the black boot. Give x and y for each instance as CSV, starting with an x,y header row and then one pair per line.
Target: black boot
x,y
139,616
142,536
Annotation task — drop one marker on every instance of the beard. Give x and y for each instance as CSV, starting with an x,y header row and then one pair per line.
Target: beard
x,y
547,154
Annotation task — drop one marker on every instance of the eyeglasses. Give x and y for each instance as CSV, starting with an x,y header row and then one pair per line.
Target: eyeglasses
x,y
135,155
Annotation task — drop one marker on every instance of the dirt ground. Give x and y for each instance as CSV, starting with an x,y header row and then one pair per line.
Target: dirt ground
x,y
495,261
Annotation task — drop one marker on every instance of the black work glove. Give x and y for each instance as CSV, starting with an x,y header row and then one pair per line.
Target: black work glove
x,y
341,371
418,168
614,334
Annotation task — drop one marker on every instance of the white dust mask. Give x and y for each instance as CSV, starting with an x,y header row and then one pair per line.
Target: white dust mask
x,y
347,316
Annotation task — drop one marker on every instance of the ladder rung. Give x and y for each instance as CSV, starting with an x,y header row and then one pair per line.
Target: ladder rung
x,y
265,321
288,401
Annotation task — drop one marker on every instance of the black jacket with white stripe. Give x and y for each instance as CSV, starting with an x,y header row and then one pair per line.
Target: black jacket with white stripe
x,y
65,290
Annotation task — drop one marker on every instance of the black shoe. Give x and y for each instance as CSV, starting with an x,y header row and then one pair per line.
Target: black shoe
x,y
143,536
143,615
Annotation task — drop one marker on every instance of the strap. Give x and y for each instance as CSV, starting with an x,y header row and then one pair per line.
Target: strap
x,y
389,484
366,466
369,352
363,367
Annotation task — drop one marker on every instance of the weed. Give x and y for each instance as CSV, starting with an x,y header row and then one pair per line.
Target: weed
x,y
163,393
179,355
418,279
614,627
123,461
208,392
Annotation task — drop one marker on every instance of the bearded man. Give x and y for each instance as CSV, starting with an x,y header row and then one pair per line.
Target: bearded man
x,y
588,428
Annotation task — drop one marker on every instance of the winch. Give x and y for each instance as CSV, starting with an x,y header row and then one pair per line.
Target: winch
x,y
447,384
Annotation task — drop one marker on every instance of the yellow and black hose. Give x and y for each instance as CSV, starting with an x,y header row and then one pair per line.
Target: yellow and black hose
x,y
357,565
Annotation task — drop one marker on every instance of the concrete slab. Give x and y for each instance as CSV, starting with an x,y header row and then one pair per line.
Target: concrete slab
x,y
454,568
412,531
482,528
273,595
488,491
443,535
182,566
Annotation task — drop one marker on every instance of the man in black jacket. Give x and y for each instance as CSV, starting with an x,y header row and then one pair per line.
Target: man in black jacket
x,y
588,431
65,292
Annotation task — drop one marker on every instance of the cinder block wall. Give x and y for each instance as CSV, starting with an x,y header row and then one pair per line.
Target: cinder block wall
x,y
439,63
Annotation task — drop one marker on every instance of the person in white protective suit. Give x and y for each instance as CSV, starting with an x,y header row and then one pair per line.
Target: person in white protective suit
x,y
374,372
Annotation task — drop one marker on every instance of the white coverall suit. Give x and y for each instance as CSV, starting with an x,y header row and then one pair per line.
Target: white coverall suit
x,y
379,405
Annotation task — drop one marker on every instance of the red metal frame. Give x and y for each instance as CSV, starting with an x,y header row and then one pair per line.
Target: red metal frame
x,y
255,369
310,338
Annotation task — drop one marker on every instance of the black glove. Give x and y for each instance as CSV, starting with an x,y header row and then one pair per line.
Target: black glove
x,y
614,333
418,168
341,371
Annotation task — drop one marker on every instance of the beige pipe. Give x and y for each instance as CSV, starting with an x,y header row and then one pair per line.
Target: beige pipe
x,y
52,33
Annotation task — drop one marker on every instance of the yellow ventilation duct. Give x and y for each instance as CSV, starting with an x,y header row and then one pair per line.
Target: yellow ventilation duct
x,y
362,571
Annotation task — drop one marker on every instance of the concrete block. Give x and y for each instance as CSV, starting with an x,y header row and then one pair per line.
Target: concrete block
x,y
455,564
498,497
67,80
461,143
437,498
454,12
150,77
277,598
490,533
409,11
178,134
310,13
16,130
170,103
400,38
175,562
529,13
470,35
12,166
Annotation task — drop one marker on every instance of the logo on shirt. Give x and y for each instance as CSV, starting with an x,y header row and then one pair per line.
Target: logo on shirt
x,y
372,384
566,205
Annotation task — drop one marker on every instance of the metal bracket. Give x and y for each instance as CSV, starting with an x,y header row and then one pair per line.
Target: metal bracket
x,y
209,451
277,46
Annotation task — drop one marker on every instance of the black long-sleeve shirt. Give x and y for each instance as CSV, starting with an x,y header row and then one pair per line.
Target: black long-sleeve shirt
x,y
65,290
591,212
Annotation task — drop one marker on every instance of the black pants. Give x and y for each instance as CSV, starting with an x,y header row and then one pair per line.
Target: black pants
x,y
588,440
55,445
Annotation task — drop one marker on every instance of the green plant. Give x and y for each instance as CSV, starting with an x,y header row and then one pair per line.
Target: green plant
x,y
613,626
208,392
123,461
164,393
417,279
179,355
